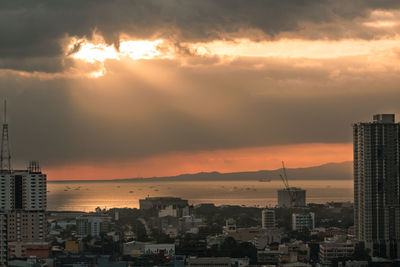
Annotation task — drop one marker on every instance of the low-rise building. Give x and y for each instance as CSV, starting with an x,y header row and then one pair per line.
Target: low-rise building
x,y
190,224
268,256
23,250
230,226
301,221
71,246
92,225
334,248
174,211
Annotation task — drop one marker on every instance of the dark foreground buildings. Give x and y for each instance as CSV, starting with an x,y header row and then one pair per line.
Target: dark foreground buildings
x,y
376,185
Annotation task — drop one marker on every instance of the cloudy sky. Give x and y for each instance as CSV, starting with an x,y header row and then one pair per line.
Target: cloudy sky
x,y
128,88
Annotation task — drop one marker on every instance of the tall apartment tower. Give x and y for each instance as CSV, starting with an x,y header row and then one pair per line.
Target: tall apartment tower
x,y
26,219
376,185
268,218
23,202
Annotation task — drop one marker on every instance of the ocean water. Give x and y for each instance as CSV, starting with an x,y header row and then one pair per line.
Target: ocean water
x,y
86,196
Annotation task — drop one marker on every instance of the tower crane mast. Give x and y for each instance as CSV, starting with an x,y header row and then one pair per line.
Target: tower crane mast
x,y
285,181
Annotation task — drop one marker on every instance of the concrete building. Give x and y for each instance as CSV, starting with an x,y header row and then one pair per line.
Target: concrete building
x,y
26,226
268,218
174,211
332,249
302,221
376,185
23,250
26,202
92,225
3,238
268,256
160,203
230,226
190,224
285,197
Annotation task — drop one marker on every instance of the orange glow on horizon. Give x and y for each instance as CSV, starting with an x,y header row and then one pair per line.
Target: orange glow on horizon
x,y
234,160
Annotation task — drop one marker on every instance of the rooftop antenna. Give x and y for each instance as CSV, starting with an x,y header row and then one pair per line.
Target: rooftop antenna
x,y
5,156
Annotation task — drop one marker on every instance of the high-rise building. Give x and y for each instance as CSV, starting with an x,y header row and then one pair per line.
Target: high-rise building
x,y
268,218
23,202
26,212
377,185
3,239
291,197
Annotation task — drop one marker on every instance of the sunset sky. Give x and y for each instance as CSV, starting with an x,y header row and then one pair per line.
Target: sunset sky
x,y
137,88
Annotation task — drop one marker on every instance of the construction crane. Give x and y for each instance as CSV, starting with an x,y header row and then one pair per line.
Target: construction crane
x,y
288,189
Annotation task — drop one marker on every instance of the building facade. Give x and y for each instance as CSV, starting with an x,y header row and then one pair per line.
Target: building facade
x,y
301,221
268,218
330,250
92,225
285,197
3,238
376,185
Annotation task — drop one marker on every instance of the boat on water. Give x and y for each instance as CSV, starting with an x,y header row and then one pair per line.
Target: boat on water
x,y
264,180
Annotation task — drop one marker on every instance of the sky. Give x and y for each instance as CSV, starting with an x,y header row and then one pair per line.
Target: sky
x,y
130,88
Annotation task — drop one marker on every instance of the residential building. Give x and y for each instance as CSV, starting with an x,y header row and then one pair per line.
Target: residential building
x,y
302,221
23,250
190,224
26,226
291,197
268,256
376,185
230,226
3,238
268,218
332,249
92,225
174,211
26,202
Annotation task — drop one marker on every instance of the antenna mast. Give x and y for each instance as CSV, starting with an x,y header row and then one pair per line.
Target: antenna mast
x,y
5,156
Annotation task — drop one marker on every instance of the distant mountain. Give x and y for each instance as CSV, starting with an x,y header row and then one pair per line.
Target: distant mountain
x,y
329,171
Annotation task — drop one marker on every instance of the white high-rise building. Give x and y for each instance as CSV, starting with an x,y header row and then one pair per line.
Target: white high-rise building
x,y
377,185
268,218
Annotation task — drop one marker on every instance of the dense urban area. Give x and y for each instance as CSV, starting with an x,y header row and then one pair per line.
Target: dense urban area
x,y
169,231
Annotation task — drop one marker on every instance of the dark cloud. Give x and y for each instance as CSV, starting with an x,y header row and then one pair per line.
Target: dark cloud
x,y
32,29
